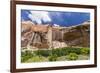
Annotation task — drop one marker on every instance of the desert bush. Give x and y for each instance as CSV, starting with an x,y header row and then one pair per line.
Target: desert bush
x,y
85,51
53,57
44,53
26,55
60,51
74,50
66,51
72,56
36,59
53,54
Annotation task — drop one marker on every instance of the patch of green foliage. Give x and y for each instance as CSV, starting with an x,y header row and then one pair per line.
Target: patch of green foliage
x,y
54,54
72,56
53,58
26,55
44,53
36,59
85,51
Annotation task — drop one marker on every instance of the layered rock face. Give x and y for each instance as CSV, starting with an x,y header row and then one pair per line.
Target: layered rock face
x,y
46,36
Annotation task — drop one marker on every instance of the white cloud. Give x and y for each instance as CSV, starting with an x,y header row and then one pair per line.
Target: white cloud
x,y
39,16
56,25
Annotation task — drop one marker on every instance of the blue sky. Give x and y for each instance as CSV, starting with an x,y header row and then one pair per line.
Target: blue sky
x,y
55,17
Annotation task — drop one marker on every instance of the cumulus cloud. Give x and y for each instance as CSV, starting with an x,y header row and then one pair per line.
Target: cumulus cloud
x,y
39,16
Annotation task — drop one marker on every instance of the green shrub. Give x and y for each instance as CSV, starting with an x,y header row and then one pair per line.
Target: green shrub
x,y
72,50
36,59
44,53
72,56
52,58
85,51
58,52
26,55
53,54
65,51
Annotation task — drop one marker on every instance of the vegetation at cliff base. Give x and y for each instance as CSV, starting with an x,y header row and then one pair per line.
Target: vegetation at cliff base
x,y
58,54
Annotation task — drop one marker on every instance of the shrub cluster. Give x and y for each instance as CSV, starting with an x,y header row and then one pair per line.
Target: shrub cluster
x,y
85,51
44,53
72,56
52,55
26,55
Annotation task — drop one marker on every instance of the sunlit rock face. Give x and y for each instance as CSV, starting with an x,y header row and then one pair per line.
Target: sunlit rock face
x,y
39,36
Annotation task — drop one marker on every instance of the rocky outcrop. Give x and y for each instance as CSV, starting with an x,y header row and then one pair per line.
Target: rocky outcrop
x,y
46,36
78,35
58,44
